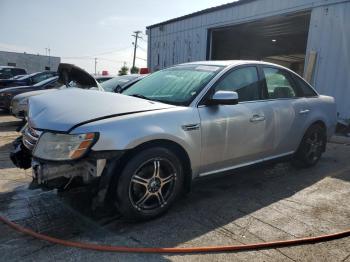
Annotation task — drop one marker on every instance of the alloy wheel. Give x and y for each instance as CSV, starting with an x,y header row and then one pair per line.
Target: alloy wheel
x,y
152,184
314,147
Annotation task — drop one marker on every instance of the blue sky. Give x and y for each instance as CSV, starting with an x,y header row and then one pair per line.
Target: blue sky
x,y
78,30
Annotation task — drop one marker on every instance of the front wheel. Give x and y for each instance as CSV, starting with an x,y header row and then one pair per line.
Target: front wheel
x,y
150,182
311,148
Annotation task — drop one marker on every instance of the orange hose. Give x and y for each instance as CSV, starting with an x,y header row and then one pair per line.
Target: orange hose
x,y
96,247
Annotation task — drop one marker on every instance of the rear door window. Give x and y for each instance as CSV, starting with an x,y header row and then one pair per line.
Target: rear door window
x,y
279,83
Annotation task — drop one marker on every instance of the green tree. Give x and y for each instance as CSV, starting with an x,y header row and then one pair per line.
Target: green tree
x,y
123,70
134,70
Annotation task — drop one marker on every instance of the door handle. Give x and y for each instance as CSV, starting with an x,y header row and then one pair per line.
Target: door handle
x,y
304,111
257,118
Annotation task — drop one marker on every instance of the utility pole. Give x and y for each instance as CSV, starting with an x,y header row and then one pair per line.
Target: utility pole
x,y
136,35
48,49
95,64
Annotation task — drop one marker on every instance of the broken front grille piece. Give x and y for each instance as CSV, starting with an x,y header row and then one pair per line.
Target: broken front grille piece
x,y
30,137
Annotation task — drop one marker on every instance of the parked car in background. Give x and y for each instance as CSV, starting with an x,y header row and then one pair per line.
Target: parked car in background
x,y
7,72
27,80
145,146
16,77
7,94
102,79
116,84
19,104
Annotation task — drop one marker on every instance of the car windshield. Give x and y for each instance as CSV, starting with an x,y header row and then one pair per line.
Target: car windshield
x,y
111,84
51,79
177,85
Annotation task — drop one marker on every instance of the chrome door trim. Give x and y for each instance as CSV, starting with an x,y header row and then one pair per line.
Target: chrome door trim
x,y
245,164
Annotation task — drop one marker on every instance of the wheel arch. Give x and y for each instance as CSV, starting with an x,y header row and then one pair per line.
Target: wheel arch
x,y
319,122
169,144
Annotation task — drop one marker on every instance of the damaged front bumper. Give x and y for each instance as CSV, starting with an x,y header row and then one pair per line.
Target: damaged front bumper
x,y
61,174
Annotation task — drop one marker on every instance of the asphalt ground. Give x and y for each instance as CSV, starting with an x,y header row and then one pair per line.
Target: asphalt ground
x,y
267,204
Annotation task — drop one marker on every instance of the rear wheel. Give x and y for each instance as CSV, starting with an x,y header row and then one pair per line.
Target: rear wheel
x,y
311,147
150,182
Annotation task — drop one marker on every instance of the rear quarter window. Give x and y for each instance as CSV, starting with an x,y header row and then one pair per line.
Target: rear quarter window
x,y
306,90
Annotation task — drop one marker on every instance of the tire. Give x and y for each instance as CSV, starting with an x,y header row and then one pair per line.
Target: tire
x,y
149,184
311,147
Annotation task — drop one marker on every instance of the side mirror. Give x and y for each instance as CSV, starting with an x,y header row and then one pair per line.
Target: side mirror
x,y
223,98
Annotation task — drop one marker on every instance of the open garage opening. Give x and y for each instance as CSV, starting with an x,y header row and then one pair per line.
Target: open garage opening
x,y
280,39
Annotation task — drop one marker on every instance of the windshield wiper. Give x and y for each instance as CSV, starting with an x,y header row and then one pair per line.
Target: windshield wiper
x,y
140,96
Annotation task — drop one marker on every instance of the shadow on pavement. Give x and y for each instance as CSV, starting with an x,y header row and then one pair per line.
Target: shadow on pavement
x,y
214,202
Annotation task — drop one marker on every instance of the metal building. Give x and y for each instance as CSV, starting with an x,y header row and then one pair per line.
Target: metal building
x,y
30,62
312,37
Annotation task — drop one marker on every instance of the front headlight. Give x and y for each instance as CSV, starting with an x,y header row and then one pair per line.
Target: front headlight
x,y
23,102
53,146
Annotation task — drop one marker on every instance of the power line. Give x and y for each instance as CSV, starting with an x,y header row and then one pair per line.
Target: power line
x,y
143,49
141,58
111,60
93,58
144,40
98,54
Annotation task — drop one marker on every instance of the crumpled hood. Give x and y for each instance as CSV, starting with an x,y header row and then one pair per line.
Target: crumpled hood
x,y
70,73
33,93
65,109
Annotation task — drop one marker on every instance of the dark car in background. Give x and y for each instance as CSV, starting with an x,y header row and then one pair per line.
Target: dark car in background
x,y
101,79
7,72
27,80
116,84
17,77
19,104
7,94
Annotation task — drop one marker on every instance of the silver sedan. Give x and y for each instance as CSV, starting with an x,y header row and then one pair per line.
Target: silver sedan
x,y
145,146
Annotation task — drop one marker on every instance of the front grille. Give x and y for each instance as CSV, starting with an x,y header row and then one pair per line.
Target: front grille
x,y
30,137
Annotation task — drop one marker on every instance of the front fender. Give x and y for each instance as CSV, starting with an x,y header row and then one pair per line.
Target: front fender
x,y
130,131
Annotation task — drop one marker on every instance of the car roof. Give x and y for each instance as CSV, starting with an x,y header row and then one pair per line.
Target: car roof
x,y
227,63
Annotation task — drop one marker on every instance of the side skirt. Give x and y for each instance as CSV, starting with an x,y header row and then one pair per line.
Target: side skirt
x,y
253,164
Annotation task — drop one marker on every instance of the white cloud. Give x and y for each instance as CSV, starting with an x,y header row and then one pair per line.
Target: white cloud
x,y
117,20
16,48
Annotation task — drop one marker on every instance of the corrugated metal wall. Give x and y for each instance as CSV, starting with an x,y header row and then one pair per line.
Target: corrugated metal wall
x,y
187,39
329,36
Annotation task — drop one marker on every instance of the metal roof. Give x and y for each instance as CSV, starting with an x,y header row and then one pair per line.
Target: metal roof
x,y
205,11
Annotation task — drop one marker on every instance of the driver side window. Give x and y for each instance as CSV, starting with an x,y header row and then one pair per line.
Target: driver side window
x,y
244,81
